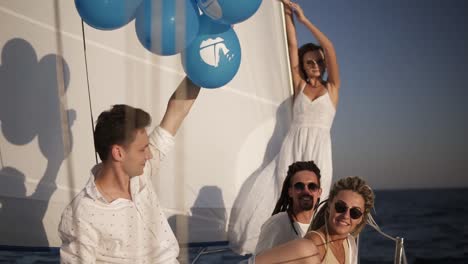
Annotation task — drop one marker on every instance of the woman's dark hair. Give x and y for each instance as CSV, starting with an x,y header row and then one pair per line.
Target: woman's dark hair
x,y
355,184
118,126
302,51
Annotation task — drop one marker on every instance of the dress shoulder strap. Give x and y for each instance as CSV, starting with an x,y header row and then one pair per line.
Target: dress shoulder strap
x,y
320,235
303,86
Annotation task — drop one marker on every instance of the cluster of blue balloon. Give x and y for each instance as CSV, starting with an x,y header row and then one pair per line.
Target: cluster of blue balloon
x,y
211,52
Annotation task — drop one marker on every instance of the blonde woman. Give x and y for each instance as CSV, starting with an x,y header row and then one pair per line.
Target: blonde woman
x,y
341,219
332,234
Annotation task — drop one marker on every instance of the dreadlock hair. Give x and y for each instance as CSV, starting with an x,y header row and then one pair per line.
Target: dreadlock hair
x,y
118,126
284,203
355,184
302,51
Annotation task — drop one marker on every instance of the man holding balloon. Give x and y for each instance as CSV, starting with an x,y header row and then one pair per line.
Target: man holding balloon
x,y
117,218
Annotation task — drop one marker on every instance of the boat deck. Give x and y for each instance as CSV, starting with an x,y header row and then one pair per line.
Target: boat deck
x,y
192,254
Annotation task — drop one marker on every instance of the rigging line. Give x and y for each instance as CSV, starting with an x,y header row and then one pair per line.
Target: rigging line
x,y
371,222
1,158
65,118
87,83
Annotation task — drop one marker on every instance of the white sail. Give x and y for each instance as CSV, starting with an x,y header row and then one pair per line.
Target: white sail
x,y
48,110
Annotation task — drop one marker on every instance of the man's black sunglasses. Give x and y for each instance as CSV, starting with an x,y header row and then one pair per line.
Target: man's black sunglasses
x,y
312,186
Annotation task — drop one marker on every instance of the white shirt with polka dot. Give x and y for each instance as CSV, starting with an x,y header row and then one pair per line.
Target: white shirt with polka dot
x,y
123,231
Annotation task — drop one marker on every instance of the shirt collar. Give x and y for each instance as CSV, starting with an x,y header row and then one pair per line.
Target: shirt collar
x,y
91,188
137,183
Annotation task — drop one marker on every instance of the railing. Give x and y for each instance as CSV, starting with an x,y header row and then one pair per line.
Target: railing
x,y
205,251
400,256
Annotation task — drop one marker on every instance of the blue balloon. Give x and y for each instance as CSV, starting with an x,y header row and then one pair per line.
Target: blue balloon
x,y
194,3
166,27
107,14
229,11
214,57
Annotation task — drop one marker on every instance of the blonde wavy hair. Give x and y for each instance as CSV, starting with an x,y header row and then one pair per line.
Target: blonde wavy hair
x,y
352,183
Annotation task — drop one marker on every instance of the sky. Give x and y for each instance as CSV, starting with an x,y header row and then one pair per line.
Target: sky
x,y
402,119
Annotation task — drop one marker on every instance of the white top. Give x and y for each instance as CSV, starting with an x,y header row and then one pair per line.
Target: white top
x,y
277,230
302,228
123,231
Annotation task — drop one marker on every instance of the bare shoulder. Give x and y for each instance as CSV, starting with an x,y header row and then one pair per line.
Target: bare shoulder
x,y
306,246
299,85
315,237
299,251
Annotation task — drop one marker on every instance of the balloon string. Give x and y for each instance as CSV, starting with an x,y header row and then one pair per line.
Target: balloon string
x,y
87,82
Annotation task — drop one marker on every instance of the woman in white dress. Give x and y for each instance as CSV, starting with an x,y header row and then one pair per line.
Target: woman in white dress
x,y
315,101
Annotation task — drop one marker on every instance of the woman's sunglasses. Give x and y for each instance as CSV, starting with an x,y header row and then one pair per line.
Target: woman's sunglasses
x,y
342,207
300,186
319,62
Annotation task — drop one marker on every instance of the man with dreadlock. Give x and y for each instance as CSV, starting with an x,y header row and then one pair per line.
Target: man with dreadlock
x,y
293,212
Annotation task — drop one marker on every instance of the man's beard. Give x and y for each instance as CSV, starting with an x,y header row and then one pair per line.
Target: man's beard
x,y
306,204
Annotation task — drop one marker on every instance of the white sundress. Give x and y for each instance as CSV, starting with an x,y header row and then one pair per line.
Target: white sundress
x,y
307,139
